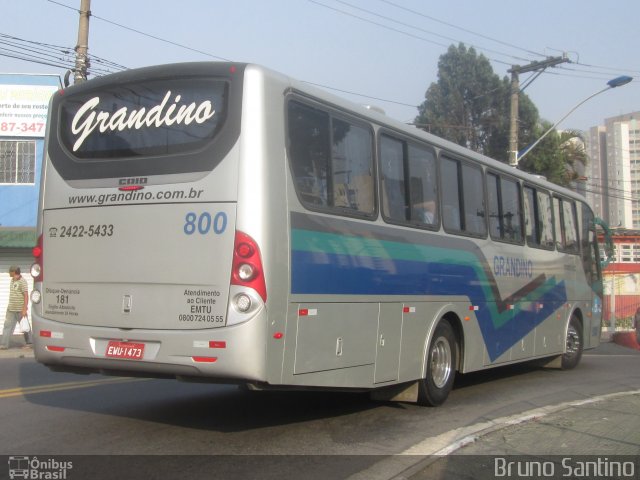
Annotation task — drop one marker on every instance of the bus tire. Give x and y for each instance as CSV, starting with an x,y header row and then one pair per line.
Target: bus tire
x,y
434,389
574,344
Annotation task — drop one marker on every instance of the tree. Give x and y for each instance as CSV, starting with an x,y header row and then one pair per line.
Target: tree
x,y
560,156
573,153
470,105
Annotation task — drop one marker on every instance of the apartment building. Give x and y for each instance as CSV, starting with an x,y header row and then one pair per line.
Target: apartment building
x,y
613,172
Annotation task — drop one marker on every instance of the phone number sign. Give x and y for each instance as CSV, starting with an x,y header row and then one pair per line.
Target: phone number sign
x,y
23,109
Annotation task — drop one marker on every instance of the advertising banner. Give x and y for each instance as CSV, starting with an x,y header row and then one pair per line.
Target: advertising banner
x,y
23,109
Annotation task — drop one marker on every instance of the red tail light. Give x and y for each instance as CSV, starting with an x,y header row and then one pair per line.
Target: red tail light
x,y
247,265
37,271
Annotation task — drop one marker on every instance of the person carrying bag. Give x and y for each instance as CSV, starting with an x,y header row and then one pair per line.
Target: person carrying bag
x,y
17,308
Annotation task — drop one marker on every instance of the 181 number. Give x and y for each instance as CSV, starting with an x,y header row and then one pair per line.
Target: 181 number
x,y
204,223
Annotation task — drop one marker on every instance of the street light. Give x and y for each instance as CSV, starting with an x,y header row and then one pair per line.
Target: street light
x,y
613,83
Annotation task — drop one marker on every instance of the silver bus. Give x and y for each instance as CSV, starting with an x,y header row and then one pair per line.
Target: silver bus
x,y
221,222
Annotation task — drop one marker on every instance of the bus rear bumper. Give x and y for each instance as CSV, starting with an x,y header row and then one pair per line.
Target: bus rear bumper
x,y
225,354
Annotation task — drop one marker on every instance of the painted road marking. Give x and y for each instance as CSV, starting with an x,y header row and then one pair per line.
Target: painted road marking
x,y
54,387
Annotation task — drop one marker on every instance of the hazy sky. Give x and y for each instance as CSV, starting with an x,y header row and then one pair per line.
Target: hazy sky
x,y
386,49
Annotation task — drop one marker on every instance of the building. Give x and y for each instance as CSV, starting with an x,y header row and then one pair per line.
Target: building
x,y
622,277
613,173
24,103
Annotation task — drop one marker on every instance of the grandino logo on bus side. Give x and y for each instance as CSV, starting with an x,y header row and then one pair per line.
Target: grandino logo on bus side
x,y
87,119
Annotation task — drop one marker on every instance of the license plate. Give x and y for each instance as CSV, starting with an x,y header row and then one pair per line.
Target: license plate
x,y
128,350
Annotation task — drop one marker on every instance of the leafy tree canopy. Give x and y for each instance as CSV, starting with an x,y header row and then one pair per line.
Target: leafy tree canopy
x,y
470,105
560,156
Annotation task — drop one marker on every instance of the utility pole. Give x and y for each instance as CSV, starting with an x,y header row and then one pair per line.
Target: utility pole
x,y
82,59
515,92
513,125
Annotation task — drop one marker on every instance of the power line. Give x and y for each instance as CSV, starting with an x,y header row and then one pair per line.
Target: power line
x,y
228,60
480,48
408,34
486,37
50,55
615,185
361,94
625,193
501,42
32,60
20,48
404,24
603,75
380,24
610,195
588,77
611,69
170,42
140,32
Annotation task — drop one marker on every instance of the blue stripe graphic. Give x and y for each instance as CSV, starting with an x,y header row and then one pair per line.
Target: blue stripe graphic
x,y
317,272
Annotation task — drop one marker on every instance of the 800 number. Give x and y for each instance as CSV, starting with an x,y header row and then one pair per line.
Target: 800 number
x,y
205,223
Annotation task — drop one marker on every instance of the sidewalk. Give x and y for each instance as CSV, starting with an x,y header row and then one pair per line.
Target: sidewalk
x,y
610,426
17,349
588,437
562,438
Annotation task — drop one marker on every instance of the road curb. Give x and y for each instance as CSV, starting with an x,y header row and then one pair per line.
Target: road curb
x,y
626,339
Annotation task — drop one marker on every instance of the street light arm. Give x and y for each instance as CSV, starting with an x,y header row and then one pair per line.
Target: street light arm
x,y
613,83
560,121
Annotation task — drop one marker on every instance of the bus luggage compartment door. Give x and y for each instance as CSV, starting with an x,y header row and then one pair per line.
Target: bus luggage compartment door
x,y
335,335
388,342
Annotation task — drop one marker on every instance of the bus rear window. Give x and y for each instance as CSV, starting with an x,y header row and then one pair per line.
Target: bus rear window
x,y
163,120
145,118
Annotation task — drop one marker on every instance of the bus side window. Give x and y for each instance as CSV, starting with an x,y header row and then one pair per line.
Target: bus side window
x,y
570,226
352,166
566,225
394,202
587,243
423,186
462,188
450,191
495,228
532,231
409,182
473,198
545,219
511,210
505,212
309,150
331,160
557,217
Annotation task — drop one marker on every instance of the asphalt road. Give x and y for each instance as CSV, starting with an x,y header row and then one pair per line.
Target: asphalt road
x,y
330,435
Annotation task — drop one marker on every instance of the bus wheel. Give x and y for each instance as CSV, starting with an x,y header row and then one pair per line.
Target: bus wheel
x,y
441,367
574,344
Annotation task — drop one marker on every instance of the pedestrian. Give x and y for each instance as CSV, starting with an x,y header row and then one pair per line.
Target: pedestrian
x,y
17,308
636,324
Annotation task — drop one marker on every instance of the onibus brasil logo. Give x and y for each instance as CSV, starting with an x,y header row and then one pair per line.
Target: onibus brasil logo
x,y
33,468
